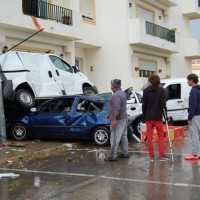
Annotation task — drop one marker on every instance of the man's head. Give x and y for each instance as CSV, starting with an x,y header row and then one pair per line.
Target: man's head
x,y
192,79
115,84
154,80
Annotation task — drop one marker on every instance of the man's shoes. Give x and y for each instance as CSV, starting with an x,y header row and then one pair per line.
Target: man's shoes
x,y
110,158
191,157
164,158
123,156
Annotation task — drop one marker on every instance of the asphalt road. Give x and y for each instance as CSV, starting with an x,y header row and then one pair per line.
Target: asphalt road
x,y
83,174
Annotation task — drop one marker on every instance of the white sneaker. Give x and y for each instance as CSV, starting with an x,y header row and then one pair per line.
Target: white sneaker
x,y
164,159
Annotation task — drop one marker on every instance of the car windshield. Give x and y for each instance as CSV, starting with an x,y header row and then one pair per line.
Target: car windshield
x,y
106,96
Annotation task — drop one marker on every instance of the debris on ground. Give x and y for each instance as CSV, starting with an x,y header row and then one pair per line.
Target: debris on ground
x,y
8,175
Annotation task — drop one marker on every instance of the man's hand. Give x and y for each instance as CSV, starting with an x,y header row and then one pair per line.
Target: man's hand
x,y
113,124
189,122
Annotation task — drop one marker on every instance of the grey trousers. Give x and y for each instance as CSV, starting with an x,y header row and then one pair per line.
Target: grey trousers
x,y
119,134
194,129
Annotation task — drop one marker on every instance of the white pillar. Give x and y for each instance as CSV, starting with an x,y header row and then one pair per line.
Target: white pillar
x,y
69,51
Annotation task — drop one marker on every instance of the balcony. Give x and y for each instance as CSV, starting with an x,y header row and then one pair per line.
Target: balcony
x,y
145,34
192,48
49,11
191,9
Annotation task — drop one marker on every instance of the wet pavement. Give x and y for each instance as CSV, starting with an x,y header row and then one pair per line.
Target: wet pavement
x,y
80,172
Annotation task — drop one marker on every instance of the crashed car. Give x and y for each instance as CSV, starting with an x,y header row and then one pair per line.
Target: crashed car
x,y
75,116
133,108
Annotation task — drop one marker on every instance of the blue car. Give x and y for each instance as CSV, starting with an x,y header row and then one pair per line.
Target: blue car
x,y
76,116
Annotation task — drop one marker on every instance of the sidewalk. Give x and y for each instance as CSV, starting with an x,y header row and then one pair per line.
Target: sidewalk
x,y
14,151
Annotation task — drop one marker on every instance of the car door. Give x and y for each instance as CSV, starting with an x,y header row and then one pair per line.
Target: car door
x,y
87,115
53,118
174,101
65,76
134,105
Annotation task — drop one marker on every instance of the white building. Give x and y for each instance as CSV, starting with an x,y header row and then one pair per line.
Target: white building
x,y
126,39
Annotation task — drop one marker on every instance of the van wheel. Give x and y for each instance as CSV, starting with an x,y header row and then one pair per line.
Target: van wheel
x,y
89,91
18,132
25,98
101,136
137,127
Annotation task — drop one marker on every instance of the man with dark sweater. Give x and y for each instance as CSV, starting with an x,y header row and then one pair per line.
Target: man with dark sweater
x,y
194,116
152,108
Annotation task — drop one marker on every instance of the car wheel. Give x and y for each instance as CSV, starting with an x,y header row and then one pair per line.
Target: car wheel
x,y
137,127
25,98
18,132
101,136
89,91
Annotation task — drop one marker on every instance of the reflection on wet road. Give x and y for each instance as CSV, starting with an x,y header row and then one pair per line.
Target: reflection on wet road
x,y
83,174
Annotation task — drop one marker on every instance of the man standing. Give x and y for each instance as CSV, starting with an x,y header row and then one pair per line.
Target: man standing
x,y
194,116
118,116
152,108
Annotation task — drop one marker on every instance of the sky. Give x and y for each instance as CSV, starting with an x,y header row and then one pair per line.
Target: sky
x,y
195,28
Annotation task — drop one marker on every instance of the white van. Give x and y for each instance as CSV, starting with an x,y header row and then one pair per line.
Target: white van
x,y
177,101
27,76
177,97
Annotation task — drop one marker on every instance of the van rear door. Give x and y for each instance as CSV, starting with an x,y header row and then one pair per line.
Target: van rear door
x,y
175,101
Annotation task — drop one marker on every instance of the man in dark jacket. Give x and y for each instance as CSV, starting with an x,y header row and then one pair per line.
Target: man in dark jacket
x,y
194,116
152,108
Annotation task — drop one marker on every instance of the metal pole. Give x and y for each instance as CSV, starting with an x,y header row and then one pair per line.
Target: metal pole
x,y
170,143
23,41
3,138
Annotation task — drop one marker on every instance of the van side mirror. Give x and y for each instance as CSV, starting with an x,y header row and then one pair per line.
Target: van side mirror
x,y
75,68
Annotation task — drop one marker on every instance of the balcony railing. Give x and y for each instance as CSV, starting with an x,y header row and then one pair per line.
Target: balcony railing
x,y
161,32
45,10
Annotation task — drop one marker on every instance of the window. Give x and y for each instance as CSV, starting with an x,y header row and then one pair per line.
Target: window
x,y
173,92
146,73
60,64
32,7
88,9
88,106
58,105
145,13
147,68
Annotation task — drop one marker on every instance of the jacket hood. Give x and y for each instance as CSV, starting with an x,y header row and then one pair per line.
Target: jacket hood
x,y
152,89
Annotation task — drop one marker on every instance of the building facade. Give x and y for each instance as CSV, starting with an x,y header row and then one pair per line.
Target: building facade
x,y
126,39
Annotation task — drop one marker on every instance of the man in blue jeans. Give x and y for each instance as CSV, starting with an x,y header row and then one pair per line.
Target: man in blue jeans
x,y
118,116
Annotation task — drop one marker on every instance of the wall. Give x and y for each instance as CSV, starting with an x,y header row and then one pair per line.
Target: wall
x,y
111,60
